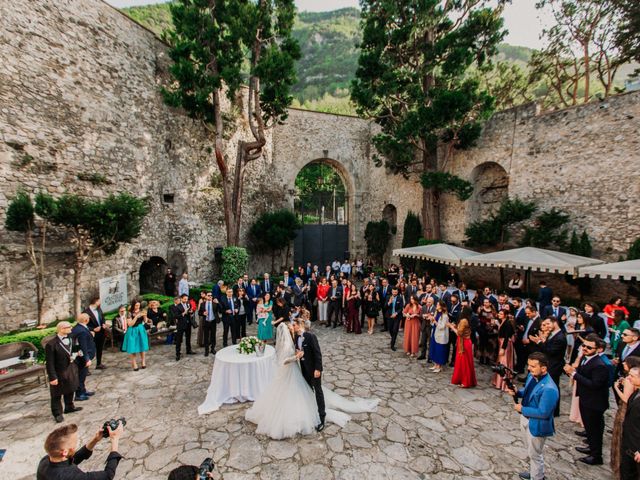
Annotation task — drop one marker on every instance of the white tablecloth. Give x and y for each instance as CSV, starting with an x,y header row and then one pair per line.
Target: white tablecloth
x,y
237,377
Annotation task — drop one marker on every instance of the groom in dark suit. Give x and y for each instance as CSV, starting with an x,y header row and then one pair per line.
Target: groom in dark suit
x,y
311,365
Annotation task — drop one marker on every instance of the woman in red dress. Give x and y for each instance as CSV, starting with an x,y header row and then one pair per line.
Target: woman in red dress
x,y
464,371
411,315
323,300
352,303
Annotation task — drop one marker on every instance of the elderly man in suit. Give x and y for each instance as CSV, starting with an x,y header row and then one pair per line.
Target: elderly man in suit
x,y
592,389
62,371
82,337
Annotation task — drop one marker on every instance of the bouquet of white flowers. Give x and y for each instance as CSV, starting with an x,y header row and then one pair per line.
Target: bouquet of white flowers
x,y
247,345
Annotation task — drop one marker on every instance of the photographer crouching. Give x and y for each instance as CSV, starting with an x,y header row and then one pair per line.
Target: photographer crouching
x,y
61,462
539,399
191,472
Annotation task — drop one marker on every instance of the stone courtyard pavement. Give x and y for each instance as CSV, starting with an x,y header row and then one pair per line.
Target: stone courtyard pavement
x,y
424,427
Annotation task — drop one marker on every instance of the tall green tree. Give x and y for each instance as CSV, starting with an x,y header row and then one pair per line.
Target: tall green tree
x,y
272,232
97,225
377,236
580,47
209,43
627,35
411,233
414,80
25,217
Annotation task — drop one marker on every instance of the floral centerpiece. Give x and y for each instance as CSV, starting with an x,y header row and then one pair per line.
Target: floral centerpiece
x,y
247,345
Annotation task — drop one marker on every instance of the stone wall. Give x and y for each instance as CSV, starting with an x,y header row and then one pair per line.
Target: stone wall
x,y
79,98
583,160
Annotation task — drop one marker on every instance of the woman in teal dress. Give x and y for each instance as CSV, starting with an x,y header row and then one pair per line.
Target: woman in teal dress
x,y
265,317
136,339
619,326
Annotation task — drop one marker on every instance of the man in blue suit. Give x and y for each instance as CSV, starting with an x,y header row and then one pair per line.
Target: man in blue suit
x,y
82,337
539,399
254,292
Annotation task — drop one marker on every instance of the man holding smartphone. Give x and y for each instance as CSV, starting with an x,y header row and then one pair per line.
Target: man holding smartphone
x,y
61,462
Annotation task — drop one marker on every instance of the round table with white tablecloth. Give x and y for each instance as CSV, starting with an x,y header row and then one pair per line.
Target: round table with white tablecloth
x,y
238,377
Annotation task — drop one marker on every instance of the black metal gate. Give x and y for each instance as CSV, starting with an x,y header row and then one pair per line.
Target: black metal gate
x,y
321,244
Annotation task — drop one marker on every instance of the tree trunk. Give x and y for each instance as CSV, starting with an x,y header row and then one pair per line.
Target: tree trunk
x,y
77,277
430,199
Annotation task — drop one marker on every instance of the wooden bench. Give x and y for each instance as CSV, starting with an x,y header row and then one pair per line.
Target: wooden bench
x,y
18,369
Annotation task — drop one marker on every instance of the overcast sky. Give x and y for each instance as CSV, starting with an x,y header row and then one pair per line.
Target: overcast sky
x,y
521,18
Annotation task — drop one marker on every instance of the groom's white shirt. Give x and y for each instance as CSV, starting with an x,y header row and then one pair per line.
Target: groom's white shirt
x,y
300,341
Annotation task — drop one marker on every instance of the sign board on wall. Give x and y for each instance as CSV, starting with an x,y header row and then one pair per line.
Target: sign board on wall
x,y
113,292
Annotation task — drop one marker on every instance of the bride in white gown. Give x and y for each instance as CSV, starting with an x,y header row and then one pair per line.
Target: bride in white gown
x,y
288,405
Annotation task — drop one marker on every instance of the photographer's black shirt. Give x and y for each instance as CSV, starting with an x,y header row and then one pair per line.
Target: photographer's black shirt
x,y
68,470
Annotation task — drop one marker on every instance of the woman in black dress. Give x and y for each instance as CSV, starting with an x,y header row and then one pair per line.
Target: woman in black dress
x,y
371,305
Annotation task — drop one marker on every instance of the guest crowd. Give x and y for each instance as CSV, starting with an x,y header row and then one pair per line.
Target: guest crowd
x,y
442,323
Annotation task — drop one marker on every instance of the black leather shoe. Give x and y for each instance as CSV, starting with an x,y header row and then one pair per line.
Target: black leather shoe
x,y
59,419
320,427
422,357
393,348
581,433
191,353
89,394
585,450
101,367
177,358
591,460
452,364
72,409
206,354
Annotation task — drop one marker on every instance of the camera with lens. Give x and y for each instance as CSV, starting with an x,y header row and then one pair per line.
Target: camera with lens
x,y
112,424
507,375
205,467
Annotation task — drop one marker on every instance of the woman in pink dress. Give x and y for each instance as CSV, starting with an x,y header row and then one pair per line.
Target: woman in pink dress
x,y
411,314
506,335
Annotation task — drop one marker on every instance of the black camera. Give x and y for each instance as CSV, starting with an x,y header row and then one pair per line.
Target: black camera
x,y
507,374
112,424
205,467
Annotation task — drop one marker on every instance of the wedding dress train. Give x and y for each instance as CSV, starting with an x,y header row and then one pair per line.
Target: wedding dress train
x,y
288,406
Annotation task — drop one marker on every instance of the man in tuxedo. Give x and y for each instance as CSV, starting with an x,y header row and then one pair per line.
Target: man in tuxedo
x,y
335,304
428,313
62,371
82,337
229,306
266,285
545,295
181,311
254,292
97,326
207,309
553,343
395,305
310,356
521,319
592,389
555,310
630,455
385,293
454,315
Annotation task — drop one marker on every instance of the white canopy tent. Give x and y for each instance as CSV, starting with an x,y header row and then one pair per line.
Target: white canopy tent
x,y
627,270
533,258
438,252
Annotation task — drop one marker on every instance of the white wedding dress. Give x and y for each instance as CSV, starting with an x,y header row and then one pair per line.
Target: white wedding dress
x,y
288,405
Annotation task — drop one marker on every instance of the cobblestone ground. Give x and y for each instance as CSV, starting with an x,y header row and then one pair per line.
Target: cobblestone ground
x,y
423,428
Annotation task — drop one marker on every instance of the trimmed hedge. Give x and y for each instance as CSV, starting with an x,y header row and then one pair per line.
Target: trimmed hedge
x,y
33,336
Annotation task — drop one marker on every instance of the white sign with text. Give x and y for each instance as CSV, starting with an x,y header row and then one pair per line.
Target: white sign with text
x,y
113,292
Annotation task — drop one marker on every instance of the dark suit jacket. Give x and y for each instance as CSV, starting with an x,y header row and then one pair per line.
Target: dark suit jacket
x,y
182,321
60,367
288,282
254,291
533,330
592,382
555,348
521,321
399,305
82,336
384,297
93,322
338,294
312,359
454,313
545,294
271,289
225,305
634,353
631,425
